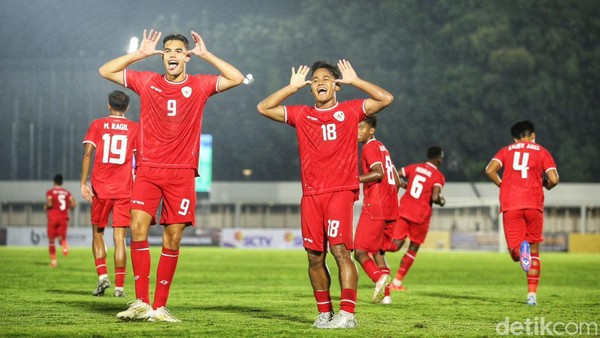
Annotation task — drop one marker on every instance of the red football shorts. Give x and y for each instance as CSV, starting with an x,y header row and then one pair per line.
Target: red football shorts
x,y
102,208
327,218
57,228
175,187
416,232
371,234
523,225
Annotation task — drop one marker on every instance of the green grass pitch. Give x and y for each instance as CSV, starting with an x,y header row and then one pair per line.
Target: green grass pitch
x,y
266,293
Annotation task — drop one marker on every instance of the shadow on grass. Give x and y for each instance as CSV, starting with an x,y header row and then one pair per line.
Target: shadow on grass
x,y
253,312
468,297
70,292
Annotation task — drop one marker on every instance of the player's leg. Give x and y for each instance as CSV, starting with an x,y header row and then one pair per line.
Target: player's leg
x,y
62,236
535,221
339,214
51,232
121,222
401,232
384,268
367,240
407,261
99,218
313,233
515,230
167,264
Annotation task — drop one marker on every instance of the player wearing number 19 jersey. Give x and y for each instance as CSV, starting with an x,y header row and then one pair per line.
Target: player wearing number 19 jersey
x,y
171,108
424,187
527,167
113,140
329,169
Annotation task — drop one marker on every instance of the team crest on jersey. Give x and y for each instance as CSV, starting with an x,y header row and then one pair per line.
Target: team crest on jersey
x,y
339,115
186,91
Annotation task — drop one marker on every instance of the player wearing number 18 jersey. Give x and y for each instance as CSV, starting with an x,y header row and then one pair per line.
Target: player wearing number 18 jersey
x,y
527,167
113,139
424,187
329,169
171,111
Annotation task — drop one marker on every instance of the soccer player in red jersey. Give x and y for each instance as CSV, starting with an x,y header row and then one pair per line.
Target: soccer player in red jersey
x,y
527,167
380,208
328,152
424,187
58,203
167,154
113,139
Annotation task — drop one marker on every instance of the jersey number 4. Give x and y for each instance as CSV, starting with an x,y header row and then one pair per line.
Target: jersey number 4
x,y
520,163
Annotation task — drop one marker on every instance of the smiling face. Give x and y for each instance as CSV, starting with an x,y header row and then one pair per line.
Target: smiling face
x,y
323,88
365,132
174,60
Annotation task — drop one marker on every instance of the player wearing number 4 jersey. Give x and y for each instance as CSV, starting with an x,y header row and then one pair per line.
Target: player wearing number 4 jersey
x,y
113,139
527,167
171,107
329,170
424,187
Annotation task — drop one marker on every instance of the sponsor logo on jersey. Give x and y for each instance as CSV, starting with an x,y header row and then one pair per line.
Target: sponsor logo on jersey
x,y
186,91
137,202
156,89
339,115
312,118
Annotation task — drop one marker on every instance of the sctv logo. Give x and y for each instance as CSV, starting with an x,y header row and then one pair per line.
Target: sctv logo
x,y
254,241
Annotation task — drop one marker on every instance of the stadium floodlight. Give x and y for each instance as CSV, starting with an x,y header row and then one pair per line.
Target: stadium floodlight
x,y
133,45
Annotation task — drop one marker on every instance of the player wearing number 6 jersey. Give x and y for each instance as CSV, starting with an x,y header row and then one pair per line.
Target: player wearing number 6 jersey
x,y
328,155
171,108
58,203
527,167
424,187
113,139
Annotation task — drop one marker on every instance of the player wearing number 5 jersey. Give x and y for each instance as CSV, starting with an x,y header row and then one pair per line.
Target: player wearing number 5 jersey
x,y
527,167
328,152
171,108
58,203
424,187
380,209
113,139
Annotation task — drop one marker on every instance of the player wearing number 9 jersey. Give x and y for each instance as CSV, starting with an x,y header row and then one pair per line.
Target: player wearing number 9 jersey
x,y
527,167
171,108
113,140
329,169
424,187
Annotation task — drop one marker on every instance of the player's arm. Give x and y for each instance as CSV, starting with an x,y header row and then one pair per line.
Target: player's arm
x,y
113,69
551,179
49,203
72,202
379,98
271,106
436,196
231,76
375,175
492,170
86,163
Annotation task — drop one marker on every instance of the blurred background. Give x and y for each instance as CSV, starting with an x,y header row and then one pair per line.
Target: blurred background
x,y
461,72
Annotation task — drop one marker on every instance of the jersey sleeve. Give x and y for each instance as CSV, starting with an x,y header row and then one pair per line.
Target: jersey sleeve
x,y
292,113
500,157
92,134
548,162
372,155
358,108
134,80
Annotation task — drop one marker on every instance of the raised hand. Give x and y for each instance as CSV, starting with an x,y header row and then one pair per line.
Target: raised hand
x,y
149,42
348,73
298,78
199,46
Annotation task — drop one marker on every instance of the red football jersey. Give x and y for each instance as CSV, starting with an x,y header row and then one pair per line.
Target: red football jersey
x,y
170,117
61,202
327,145
115,140
415,204
380,198
524,164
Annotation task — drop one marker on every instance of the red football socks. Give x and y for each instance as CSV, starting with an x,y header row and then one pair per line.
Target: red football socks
x,y
323,299
140,261
533,276
371,269
407,261
120,277
348,300
164,276
101,266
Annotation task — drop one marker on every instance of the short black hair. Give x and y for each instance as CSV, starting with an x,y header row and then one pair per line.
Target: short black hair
x,y
331,68
434,152
522,129
372,121
58,179
177,37
118,101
